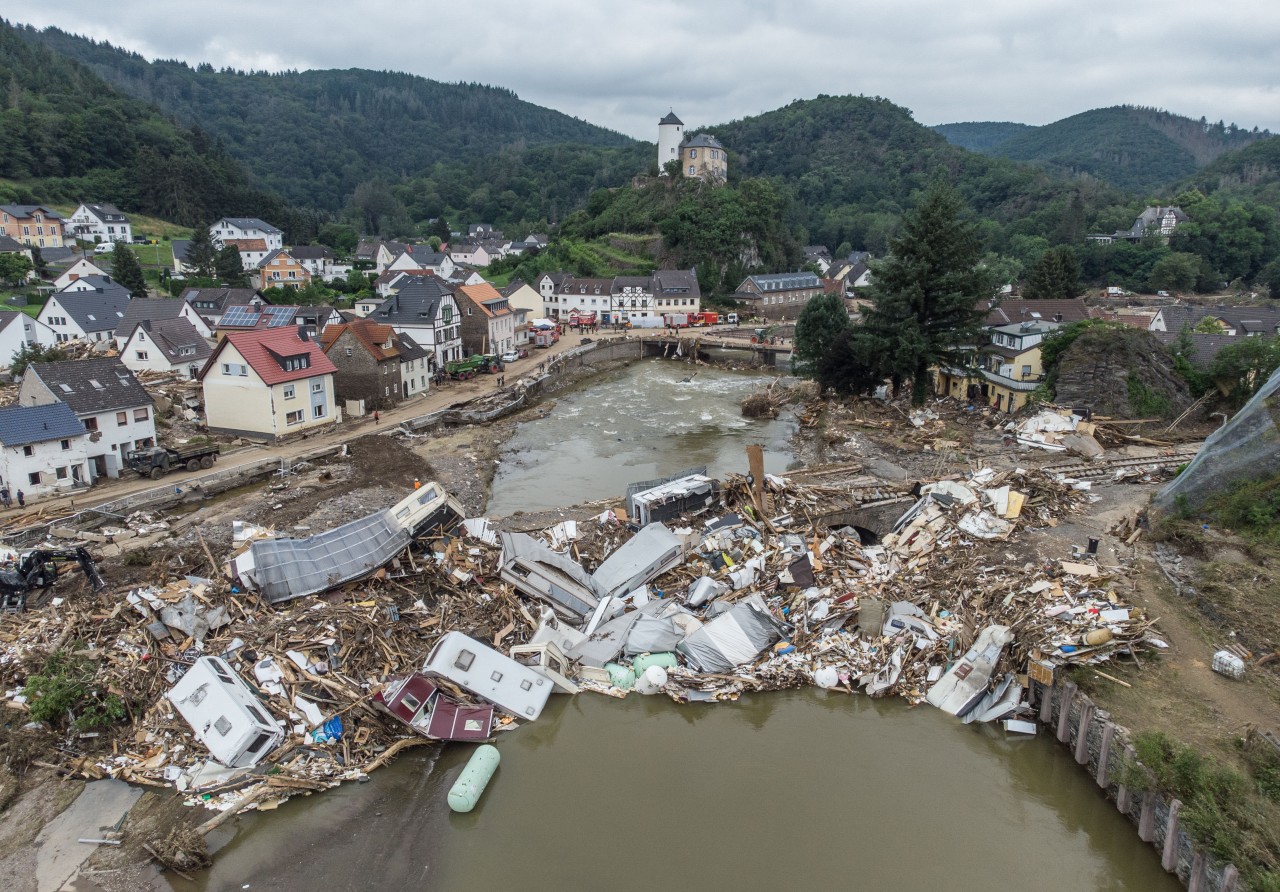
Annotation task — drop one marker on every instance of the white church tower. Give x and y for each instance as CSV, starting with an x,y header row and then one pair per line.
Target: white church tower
x,y
670,135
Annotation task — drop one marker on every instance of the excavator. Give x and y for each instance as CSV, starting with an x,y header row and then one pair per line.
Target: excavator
x,y
36,571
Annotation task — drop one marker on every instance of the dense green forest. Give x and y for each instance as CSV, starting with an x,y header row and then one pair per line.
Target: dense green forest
x,y
314,136
66,137
1138,149
980,136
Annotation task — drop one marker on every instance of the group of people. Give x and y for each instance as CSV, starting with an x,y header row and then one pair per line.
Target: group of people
x,y
7,500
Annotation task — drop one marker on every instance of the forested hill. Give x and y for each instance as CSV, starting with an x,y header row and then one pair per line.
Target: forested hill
x,y
67,136
314,136
980,136
1252,173
853,164
1138,149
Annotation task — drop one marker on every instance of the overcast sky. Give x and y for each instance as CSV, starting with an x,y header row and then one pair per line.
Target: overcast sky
x,y
624,64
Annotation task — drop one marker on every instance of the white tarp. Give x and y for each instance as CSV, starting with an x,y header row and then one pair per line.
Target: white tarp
x,y
734,637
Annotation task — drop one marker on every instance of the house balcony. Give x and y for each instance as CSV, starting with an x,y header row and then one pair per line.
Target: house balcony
x,y
1022,383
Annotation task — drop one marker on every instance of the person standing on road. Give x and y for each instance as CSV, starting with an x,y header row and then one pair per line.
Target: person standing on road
x,y
376,416
22,500
4,496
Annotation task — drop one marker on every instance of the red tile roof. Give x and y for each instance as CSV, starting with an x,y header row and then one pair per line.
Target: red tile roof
x,y
371,335
265,352
246,244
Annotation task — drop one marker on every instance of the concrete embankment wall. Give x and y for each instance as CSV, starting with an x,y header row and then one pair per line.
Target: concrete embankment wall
x,y
1101,747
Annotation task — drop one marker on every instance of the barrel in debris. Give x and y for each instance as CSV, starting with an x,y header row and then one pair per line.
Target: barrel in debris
x,y
467,789
666,660
652,680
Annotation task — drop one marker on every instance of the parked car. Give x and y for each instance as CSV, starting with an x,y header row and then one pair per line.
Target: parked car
x,y
510,356
104,248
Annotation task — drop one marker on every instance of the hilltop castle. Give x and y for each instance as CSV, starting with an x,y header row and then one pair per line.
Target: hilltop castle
x,y
700,156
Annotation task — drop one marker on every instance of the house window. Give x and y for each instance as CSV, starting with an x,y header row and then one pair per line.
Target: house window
x,y
348,351
692,170
122,418
289,392
141,414
66,444
317,386
28,450
91,424
318,411
34,478
1026,371
141,354
294,417
60,473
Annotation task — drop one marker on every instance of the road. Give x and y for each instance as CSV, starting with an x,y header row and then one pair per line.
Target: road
x,y
435,399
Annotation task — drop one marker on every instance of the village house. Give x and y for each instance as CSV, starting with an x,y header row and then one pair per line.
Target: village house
x,y
213,303
239,229
34,225
819,256
488,324
701,156
425,309
116,410
157,309
374,255
419,259
165,345
676,291
280,269
1250,322
469,252
18,331
316,259
631,298
366,305
548,285
88,309
78,270
1154,222
526,303
42,449
779,295
578,297
181,265
270,384
99,223
375,363
252,250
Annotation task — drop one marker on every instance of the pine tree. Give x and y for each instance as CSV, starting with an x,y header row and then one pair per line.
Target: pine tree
x,y
126,270
929,294
1056,275
201,254
823,319
228,268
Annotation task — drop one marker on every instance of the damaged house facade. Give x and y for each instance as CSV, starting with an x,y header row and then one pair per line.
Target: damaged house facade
x,y
114,407
270,383
376,363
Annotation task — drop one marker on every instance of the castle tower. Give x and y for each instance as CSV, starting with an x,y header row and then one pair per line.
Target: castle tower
x,y
670,135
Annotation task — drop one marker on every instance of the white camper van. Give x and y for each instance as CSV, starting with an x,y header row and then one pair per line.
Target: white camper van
x,y
228,719
486,673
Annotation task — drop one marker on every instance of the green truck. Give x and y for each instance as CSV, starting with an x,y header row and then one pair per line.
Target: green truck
x,y
156,461
462,369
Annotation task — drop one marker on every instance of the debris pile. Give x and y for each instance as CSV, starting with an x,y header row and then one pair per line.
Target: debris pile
x,y
725,588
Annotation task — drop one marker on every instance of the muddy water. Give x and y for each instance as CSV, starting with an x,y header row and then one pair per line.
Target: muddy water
x,y
790,790
635,423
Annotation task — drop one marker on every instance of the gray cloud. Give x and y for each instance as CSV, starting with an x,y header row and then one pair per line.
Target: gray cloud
x,y
622,65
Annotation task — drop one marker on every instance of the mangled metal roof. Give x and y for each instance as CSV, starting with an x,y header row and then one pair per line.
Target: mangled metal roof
x,y
649,553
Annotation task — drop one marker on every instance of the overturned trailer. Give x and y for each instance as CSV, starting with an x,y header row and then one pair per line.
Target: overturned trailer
x,y
686,495
538,572
282,569
646,555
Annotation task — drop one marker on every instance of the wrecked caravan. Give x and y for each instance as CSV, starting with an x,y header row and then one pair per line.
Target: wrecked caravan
x,y
538,572
419,703
228,719
490,675
687,495
646,555
283,569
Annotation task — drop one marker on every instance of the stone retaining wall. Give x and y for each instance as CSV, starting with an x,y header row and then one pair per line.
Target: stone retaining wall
x,y
1101,747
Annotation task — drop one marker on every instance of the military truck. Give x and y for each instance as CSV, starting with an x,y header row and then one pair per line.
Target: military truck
x,y
156,461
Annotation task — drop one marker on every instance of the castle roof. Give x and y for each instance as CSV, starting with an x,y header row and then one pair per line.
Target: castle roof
x,y
671,119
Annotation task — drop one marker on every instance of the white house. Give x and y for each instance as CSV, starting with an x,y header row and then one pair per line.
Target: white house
x,y
89,309
270,383
236,229
471,253
18,330
78,270
116,410
100,223
157,309
426,310
421,259
42,449
165,345
315,259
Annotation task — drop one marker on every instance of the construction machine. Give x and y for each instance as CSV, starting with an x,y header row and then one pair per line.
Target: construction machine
x,y
36,571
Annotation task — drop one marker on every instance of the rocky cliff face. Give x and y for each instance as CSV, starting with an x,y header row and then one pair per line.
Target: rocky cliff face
x,y
1121,373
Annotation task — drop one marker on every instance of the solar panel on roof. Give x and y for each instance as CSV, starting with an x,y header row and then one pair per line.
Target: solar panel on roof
x,y
240,315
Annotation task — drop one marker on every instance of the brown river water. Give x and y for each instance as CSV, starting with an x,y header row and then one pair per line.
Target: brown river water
x,y
787,790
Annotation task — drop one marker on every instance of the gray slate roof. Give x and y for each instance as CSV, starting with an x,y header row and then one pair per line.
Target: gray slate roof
x,y
98,310
151,309
171,335
786,281
310,252
701,141
181,246
1204,347
21,425
107,213
676,281
416,303
10,245
90,386
411,349
251,223
1250,320
26,210
215,301
670,118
